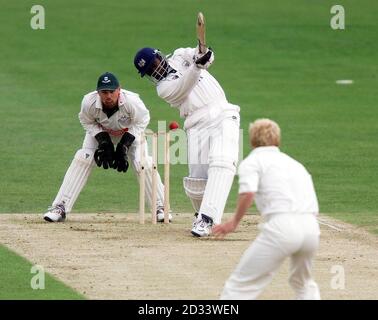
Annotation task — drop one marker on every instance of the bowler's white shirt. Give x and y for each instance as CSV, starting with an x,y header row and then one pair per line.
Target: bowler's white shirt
x,y
280,183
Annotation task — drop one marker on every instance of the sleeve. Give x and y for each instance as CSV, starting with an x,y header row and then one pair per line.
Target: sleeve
x,y
186,53
175,89
249,175
140,117
88,120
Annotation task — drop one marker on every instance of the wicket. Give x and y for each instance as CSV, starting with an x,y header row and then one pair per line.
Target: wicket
x,y
142,178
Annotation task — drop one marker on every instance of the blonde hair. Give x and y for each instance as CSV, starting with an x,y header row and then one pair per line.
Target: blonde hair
x,y
264,132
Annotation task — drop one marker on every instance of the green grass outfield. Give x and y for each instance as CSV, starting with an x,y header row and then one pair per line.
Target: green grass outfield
x,y
275,59
17,279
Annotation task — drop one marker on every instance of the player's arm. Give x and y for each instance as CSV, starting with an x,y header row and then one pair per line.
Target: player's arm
x,y
201,59
245,200
175,89
104,154
87,120
139,115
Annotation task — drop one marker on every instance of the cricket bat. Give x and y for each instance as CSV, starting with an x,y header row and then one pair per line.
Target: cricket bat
x,y
201,34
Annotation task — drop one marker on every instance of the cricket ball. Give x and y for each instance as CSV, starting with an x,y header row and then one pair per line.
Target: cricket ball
x,y
173,125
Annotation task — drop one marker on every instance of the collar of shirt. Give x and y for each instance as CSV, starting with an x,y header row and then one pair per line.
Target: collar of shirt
x,y
121,101
264,149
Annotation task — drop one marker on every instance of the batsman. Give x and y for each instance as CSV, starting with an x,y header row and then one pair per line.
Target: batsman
x,y
114,120
211,124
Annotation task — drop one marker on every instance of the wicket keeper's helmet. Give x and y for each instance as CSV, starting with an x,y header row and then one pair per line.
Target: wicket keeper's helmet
x,y
144,59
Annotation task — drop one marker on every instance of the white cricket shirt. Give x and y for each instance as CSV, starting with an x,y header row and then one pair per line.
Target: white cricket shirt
x,y
132,116
280,183
196,93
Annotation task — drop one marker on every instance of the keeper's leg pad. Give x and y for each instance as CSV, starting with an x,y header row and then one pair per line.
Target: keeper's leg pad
x,y
194,189
75,178
219,183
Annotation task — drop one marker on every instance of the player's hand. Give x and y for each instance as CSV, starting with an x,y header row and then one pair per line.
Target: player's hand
x,y
204,61
104,155
220,230
121,162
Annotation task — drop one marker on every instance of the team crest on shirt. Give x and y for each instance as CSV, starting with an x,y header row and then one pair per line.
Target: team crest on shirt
x,y
123,119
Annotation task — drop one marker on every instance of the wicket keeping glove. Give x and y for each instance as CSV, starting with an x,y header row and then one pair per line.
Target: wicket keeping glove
x,y
104,155
120,161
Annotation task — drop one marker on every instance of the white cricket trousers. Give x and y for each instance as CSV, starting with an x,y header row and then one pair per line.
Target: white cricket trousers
x,y
213,148
283,235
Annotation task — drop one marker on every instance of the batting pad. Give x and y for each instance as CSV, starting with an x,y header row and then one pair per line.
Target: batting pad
x,y
194,189
216,193
75,179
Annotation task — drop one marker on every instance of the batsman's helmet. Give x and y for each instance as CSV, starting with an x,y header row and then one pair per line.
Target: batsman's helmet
x,y
144,59
153,64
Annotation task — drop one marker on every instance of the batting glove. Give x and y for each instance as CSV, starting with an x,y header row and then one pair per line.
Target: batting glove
x,y
204,61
